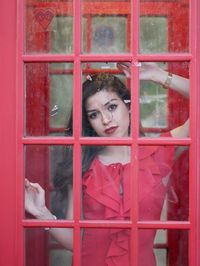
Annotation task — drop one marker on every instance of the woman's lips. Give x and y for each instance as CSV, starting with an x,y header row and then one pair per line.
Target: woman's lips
x,y
110,130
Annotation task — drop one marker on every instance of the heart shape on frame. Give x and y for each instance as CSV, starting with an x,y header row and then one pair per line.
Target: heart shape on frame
x,y
44,16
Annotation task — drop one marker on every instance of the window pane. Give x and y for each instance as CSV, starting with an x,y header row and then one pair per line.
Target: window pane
x,y
106,101
163,183
107,246
163,107
60,257
48,26
49,88
106,26
153,35
163,248
51,168
106,182
164,26
41,249
62,35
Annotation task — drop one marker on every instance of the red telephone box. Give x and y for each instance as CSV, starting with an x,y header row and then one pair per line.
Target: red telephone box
x,y
59,43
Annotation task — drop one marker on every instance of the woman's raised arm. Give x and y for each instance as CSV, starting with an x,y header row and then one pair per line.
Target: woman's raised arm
x,y
152,72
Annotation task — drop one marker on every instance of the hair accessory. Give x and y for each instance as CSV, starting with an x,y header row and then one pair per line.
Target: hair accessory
x,y
127,101
89,77
54,110
168,80
137,64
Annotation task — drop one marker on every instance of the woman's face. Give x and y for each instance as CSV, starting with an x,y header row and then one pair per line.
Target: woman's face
x,y
108,115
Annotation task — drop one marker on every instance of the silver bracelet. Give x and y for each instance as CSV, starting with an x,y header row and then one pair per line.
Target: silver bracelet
x,y
168,80
47,228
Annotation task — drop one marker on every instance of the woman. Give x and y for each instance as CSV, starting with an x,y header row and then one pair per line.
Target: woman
x,y
106,172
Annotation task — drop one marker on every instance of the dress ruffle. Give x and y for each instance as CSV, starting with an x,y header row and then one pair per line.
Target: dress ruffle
x,y
101,193
105,190
118,252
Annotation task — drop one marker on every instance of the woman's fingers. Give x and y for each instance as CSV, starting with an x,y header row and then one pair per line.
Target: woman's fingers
x,y
124,64
26,182
34,186
125,67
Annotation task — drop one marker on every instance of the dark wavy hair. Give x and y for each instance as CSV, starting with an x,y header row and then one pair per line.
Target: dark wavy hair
x,y
95,83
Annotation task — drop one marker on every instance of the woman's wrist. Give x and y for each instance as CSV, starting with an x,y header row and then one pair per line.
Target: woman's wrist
x,y
44,214
161,77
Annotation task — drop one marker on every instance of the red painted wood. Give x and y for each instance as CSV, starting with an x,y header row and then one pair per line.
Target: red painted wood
x,y
194,254
77,124
197,140
39,127
8,132
37,105
109,7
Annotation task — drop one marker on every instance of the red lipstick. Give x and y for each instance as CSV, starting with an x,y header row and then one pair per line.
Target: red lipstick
x,y
110,130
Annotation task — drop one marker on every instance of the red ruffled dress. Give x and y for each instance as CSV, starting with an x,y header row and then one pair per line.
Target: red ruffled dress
x,y
106,196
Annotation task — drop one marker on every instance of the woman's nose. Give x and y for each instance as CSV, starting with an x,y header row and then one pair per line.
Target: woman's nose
x,y
106,118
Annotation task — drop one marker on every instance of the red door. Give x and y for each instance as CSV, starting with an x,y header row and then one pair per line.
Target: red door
x,y
36,81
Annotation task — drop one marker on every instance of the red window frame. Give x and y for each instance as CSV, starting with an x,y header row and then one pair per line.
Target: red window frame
x,y
77,140
11,190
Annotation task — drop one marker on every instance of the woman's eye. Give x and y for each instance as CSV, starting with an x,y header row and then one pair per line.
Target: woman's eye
x,y
92,115
112,107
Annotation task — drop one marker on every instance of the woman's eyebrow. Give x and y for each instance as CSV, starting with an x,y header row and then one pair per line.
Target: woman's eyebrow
x,y
107,103
92,110
110,101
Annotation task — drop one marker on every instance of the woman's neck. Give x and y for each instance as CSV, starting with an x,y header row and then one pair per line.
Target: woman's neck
x,y
115,154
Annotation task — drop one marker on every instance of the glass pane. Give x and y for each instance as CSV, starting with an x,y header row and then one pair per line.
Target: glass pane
x,y
106,182
163,248
106,26
106,101
48,26
62,35
42,249
107,246
61,257
164,27
164,97
48,168
163,183
49,89
153,35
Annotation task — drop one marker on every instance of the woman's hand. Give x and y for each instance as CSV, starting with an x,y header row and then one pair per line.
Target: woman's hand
x,y
147,71
152,72
35,205
125,68
35,200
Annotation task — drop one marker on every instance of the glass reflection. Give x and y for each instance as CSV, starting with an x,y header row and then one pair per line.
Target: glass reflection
x,y
49,88
163,183
163,247
106,26
48,170
48,26
42,249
